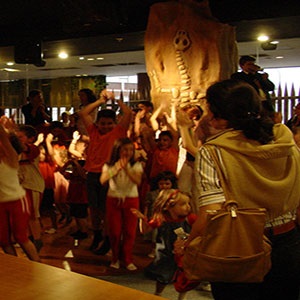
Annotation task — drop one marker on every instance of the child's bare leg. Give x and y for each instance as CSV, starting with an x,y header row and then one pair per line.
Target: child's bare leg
x,y
30,250
35,228
182,296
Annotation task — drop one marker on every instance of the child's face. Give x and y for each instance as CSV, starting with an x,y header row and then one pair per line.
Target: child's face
x,y
105,125
127,151
164,142
181,209
164,184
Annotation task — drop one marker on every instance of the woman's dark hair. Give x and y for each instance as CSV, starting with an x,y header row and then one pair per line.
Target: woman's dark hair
x,y
115,154
90,95
239,104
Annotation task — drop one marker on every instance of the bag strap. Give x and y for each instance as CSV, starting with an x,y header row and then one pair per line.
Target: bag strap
x,y
220,172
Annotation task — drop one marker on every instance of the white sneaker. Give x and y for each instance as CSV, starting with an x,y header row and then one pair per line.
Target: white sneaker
x,y
115,265
131,267
50,231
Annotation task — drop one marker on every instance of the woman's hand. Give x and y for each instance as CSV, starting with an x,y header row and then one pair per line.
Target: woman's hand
x,y
183,119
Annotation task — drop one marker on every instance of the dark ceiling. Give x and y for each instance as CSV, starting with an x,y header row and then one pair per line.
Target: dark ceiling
x,y
114,31
64,19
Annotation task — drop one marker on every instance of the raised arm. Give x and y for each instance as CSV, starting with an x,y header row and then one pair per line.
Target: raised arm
x,y
144,226
127,114
72,147
48,140
185,125
85,113
7,152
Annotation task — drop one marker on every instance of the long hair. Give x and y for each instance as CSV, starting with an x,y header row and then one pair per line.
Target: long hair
x,y
164,201
91,97
239,104
115,154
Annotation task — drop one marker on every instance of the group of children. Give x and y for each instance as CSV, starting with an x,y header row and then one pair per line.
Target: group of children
x,y
108,182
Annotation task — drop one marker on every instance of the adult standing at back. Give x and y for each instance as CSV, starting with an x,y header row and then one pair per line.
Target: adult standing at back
x,y
251,73
102,133
86,97
261,164
35,111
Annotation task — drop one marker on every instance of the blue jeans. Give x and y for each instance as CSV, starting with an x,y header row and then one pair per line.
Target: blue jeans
x,y
282,281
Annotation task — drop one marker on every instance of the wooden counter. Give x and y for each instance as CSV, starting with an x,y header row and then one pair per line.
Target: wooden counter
x,y
21,279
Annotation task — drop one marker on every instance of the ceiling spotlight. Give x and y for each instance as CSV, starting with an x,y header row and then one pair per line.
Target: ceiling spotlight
x,y
10,70
263,38
63,55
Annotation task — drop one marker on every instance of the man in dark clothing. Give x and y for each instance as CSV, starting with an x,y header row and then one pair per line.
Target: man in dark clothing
x,y
260,81
35,111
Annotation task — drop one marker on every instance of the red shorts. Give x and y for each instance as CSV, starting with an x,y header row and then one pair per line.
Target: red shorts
x,y
14,217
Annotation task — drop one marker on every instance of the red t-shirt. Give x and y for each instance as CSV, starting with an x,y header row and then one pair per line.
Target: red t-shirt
x,y
164,160
100,146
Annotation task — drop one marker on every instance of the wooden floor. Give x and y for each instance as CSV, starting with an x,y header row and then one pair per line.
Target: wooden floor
x,y
62,251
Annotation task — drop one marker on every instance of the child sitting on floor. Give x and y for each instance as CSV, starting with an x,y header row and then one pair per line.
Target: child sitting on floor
x,y
171,211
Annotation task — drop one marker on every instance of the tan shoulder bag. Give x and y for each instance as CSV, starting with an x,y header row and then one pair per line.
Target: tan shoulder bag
x,y
233,247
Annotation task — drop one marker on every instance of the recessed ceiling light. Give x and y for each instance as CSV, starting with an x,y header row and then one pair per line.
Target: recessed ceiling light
x,y
63,55
274,42
10,70
10,63
99,58
91,58
263,38
279,57
81,58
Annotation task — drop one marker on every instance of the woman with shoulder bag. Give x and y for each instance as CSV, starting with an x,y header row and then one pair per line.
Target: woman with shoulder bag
x,y
261,164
